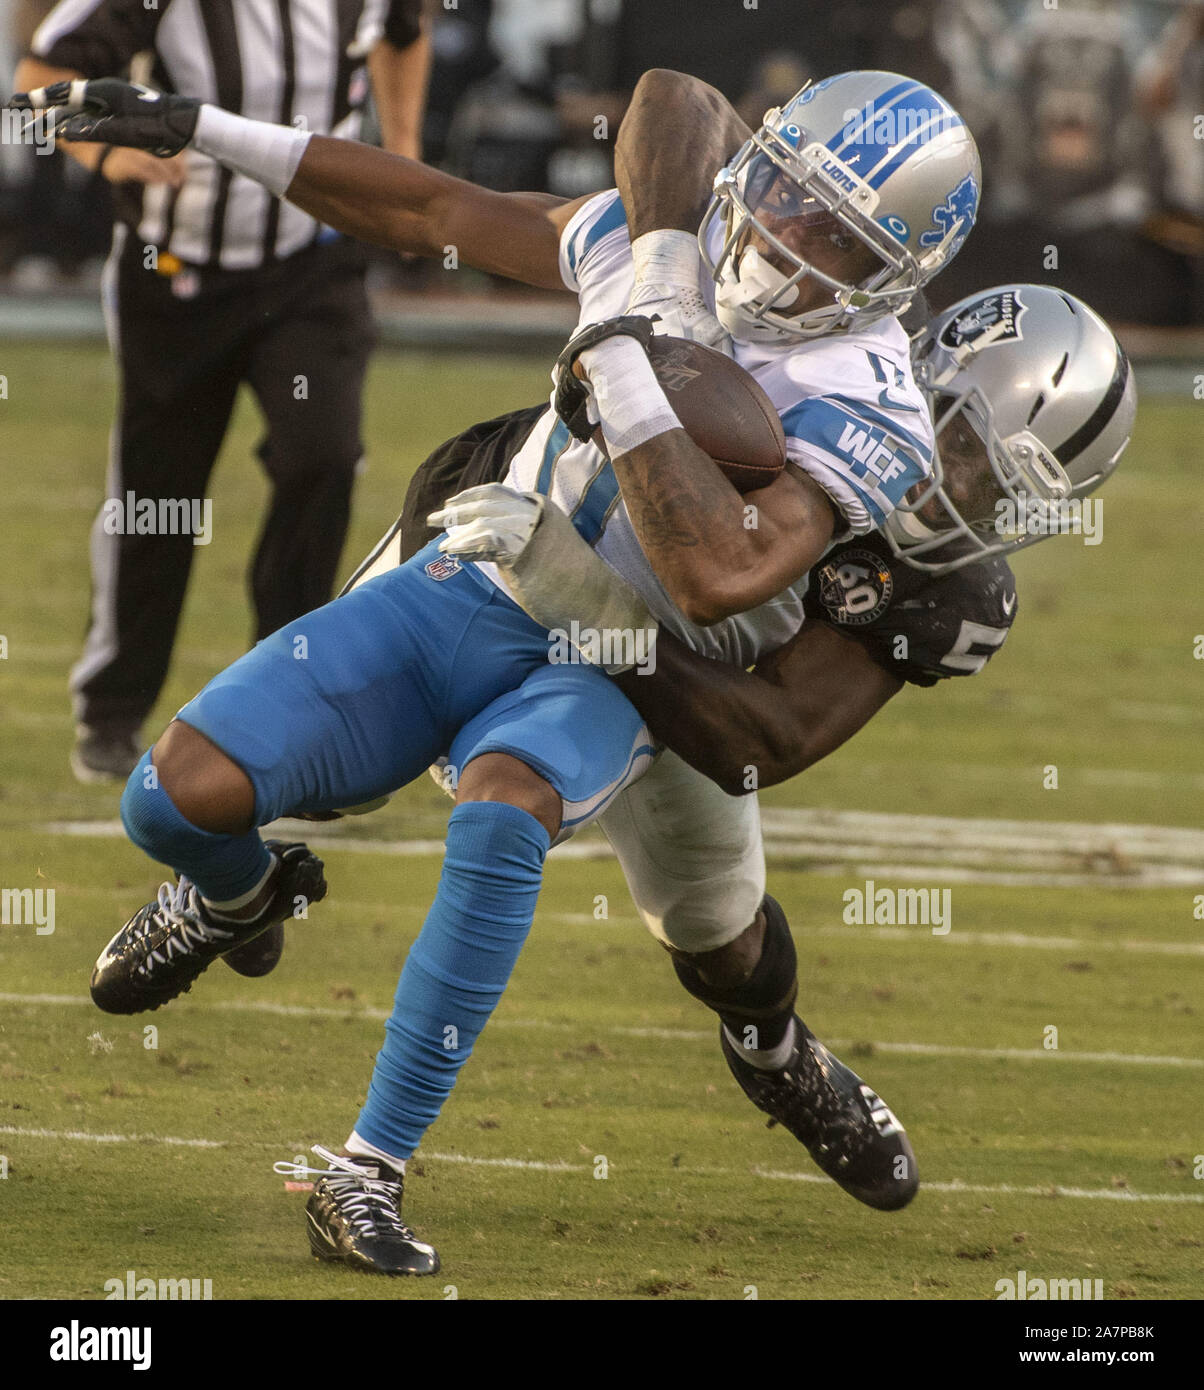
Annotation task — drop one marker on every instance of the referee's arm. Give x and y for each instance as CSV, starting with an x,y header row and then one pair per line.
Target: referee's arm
x,y
400,67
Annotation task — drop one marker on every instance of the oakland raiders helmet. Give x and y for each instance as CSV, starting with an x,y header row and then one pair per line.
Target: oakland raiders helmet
x,y
867,159
1038,384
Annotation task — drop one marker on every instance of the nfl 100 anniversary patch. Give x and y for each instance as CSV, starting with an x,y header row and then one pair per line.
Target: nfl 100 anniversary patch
x,y
856,587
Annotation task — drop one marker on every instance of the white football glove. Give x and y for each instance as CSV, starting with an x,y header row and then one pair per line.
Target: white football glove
x,y
667,286
552,573
490,522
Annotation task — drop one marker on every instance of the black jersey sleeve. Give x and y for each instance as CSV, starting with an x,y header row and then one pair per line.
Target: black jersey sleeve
x,y
97,40
919,627
481,454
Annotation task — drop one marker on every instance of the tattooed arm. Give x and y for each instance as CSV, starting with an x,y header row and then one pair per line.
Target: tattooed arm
x,y
716,552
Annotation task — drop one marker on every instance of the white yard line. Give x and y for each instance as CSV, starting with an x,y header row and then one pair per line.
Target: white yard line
x,y
82,1136
956,1186
934,849
371,1015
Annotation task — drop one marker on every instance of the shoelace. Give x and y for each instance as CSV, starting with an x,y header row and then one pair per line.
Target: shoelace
x,y
368,1204
810,1101
178,906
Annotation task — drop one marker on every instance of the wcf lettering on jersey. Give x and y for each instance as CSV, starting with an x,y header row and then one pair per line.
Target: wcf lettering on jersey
x,y
868,447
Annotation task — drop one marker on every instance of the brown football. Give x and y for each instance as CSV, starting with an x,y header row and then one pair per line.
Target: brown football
x,y
723,410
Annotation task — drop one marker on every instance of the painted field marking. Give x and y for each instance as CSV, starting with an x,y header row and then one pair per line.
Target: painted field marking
x,y
954,1187
949,849
371,1015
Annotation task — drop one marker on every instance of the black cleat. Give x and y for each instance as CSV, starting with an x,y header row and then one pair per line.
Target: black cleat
x,y
354,1216
166,944
260,956
844,1126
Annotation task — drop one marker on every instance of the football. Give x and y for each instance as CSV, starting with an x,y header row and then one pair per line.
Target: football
x,y
723,410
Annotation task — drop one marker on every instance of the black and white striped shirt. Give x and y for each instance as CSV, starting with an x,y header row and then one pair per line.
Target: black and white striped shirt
x,y
294,62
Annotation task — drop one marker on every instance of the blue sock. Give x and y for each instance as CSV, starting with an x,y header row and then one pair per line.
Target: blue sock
x,y
223,867
456,970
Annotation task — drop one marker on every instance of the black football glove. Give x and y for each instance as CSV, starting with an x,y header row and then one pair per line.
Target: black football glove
x,y
573,394
111,112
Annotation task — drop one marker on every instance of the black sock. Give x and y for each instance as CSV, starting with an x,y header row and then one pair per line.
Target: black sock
x,y
765,1001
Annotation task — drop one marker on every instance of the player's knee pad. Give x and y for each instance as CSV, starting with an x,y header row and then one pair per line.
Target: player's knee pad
x,y
223,867
771,988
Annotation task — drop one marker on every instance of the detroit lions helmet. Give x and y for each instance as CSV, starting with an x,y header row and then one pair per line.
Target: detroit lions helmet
x,y
863,161
1033,382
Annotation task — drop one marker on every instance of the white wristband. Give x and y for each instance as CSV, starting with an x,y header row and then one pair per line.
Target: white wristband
x,y
667,258
269,154
632,406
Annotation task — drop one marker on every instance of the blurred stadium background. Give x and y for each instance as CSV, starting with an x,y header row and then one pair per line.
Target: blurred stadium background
x,y
1084,115
1078,1161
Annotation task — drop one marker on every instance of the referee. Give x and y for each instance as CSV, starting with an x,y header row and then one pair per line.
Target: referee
x,y
212,282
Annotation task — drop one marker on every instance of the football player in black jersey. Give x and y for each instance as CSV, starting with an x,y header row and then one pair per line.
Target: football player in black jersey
x,y
1034,403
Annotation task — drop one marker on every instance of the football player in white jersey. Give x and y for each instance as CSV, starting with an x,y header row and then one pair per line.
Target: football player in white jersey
x,y
823,226
1035,402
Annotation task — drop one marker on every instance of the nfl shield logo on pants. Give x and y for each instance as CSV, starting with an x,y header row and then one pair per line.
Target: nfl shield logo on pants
x,y
443,568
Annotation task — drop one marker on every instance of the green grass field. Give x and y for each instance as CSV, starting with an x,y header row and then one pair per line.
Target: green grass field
x,y
1075,1162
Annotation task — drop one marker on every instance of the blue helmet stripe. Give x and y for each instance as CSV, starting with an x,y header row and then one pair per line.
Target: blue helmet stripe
x,y
914,141
862,129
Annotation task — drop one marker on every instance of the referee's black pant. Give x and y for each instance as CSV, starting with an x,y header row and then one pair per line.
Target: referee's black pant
x,y
299,333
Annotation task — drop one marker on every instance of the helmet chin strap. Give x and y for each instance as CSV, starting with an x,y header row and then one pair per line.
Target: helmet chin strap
x,y
757,277
908,529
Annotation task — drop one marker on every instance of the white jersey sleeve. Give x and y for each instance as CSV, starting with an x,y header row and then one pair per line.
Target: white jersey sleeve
x,y
595,250
854,419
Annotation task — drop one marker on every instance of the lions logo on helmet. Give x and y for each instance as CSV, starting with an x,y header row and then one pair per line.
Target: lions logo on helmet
x,y
954,217
847,201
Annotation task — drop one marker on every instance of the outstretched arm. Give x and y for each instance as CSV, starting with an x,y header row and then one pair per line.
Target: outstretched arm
x,y
408,206
379,197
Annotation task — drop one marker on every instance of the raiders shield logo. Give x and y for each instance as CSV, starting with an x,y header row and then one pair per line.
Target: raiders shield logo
x,y
1005,308
855,587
